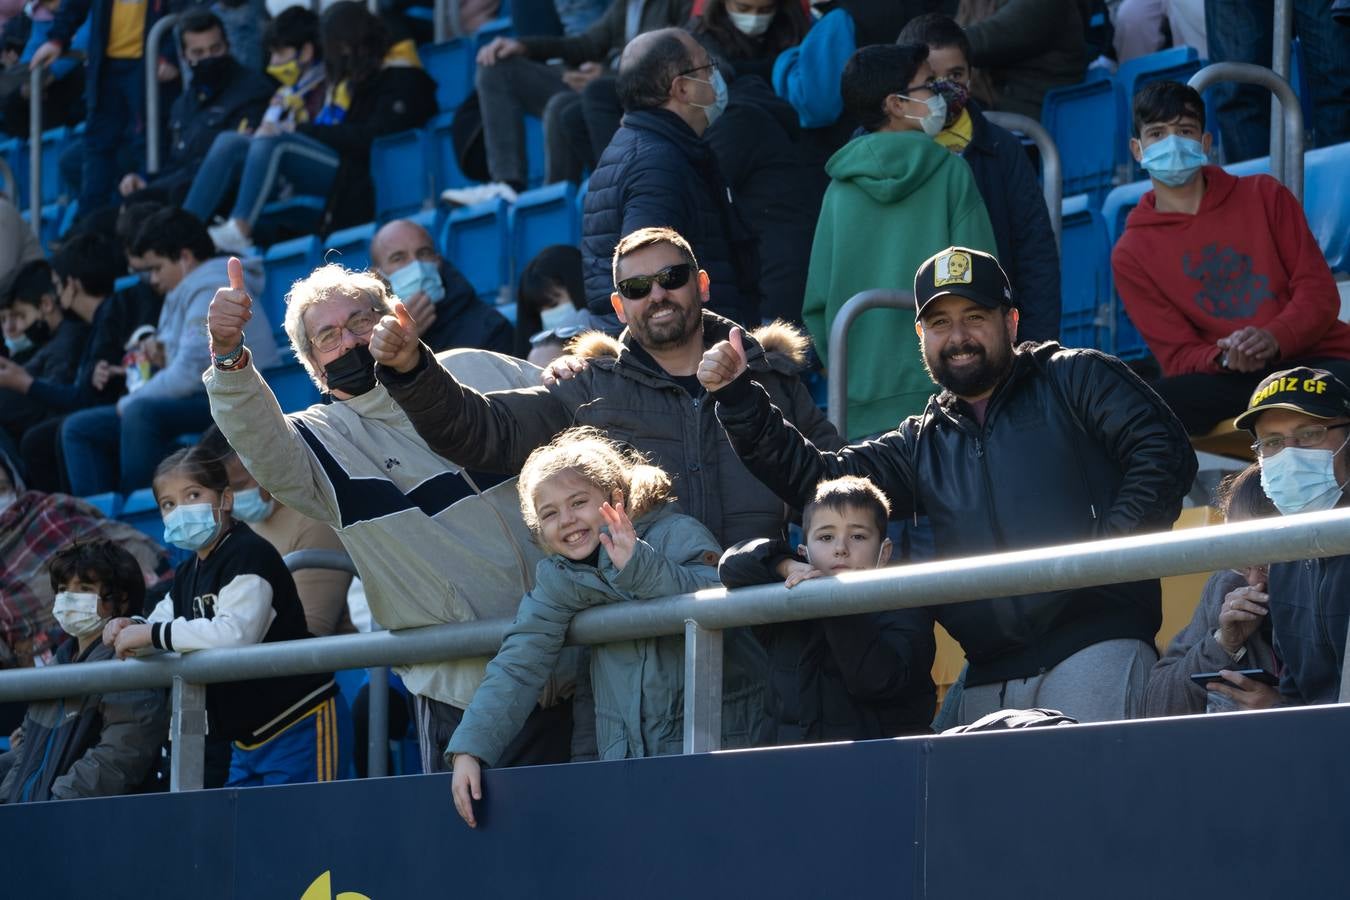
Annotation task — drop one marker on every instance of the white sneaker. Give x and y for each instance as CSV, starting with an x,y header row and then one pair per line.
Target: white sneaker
x,y
479,193
228,238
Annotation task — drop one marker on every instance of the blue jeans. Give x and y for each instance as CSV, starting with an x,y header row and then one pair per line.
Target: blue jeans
x,y
1240,31
218,173
306,165
116,117
107,452
316,748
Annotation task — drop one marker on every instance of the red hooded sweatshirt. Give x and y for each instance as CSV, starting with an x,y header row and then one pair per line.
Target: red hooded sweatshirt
x,y
1245,258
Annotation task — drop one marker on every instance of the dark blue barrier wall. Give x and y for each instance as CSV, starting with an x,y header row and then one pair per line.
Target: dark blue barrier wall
x,y
1250,806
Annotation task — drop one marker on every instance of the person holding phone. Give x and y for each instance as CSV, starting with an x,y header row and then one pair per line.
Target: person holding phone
x,y
1229,631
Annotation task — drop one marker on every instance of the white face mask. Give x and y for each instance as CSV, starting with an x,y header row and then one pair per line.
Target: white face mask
x,y
559,316
933,122
751,24
77,613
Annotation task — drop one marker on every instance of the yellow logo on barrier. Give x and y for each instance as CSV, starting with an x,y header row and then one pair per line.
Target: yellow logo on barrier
x,y
322,889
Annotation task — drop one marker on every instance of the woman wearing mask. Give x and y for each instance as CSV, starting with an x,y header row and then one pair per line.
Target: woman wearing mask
x,y
98,745
550,304
749,34
369,95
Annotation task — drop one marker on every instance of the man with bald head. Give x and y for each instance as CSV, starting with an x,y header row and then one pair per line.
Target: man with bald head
x,y
659,172
443,303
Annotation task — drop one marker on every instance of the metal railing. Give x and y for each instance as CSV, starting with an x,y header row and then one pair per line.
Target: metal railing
x,y
701,616
1281,47
837,384
1286,156
1052,171
35,149
152,113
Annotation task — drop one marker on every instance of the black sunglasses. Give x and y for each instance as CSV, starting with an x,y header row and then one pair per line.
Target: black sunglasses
x,y
670,278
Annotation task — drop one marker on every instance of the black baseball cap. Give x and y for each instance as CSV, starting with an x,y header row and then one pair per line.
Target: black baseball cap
x,y
1313,392
964,272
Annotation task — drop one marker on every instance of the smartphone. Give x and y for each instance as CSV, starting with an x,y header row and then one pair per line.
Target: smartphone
x,y
1261,675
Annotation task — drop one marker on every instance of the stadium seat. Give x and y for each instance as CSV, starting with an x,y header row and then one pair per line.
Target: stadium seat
x,y
445,171
451,64
108,503
1085,274
1326,201
349,247
292,386
126,282
15,153
1082,120
502,26
541,217
140,511
283,265
399,167
534,151
476,241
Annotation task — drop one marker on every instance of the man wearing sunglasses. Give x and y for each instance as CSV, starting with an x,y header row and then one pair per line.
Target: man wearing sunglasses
x,y
641,389
658,171
1301,420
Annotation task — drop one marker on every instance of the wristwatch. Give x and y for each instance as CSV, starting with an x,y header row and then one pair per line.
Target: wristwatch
x,y
1241,651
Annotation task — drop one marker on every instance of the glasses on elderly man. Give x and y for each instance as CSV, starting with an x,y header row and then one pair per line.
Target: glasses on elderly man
x,y
358,324
1307,436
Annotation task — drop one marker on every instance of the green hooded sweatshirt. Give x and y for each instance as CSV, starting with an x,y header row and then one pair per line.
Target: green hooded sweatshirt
x,y
895,199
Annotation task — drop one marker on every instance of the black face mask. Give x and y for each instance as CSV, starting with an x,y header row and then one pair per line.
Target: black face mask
x,y
353,372
210,74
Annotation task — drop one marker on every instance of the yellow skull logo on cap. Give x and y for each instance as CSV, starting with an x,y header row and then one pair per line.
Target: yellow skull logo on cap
x,y
952,268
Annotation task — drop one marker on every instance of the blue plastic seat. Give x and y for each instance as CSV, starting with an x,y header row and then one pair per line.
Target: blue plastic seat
x,y
140,511
349,247
283,265
1082,119
452,65
476,241
109,503
15,153
534,151
1172,64
292,386
1085,276
126,282
401,173
542,217
1326,201
444,164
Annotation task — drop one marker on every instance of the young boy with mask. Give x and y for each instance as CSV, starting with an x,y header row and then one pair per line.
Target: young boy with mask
x,y
912,198
1220,274
98,745
848,677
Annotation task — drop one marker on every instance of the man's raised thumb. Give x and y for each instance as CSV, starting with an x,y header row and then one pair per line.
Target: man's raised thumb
x,y
404,317
737,343
236,270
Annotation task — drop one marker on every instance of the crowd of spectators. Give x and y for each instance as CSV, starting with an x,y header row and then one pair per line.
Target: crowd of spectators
x,y
645,426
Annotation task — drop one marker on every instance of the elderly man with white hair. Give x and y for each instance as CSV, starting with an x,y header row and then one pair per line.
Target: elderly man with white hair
x,y
431,547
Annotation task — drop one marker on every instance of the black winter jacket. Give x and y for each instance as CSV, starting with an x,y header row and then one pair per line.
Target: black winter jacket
x,y
198,116
1074,447
655,172
846,678
395,99
1026,243
634,403
462,320
1309,613
98,745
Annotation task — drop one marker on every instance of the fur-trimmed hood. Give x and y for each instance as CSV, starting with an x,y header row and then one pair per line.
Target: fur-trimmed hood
x,y
778,345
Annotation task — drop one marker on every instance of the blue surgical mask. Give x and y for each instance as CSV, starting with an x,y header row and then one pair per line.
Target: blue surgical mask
x,y
719,104
191,527
559,316
1174,160
418,276
1301,480
935,119
249,506
21,344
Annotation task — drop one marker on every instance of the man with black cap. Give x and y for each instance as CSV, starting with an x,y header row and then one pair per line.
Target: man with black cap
x,y
1023,447
1301,420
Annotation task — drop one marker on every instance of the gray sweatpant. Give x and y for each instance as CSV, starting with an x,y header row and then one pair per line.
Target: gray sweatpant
x,y
1100,683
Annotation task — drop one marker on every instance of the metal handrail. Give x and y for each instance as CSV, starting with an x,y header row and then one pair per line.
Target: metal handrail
x,y
1312,535
837,386
1286,158
35,149
1052,170
152,114
1282,43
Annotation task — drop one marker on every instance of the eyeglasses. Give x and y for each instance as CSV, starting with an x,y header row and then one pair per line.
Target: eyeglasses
x,y
1307,436
358,324
701,68
670,278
